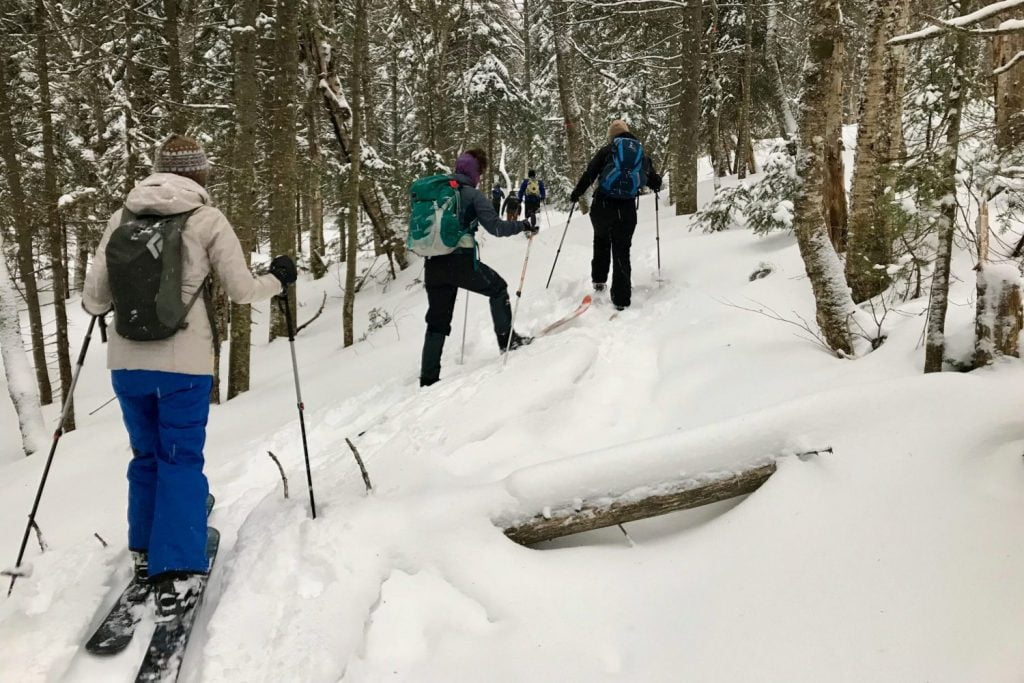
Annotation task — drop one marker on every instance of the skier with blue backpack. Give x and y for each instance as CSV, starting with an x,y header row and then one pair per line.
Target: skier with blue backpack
x,y
446,212
622,169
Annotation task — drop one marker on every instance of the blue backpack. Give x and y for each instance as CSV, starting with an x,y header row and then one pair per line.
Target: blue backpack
x,y
624,174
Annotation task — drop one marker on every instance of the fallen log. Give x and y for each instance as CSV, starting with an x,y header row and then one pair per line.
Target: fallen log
x,y
642,503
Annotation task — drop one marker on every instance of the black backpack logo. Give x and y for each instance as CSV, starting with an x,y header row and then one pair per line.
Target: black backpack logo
x,y
144,260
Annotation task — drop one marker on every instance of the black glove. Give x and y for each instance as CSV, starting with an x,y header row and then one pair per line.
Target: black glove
x,y
283,268
531,228
574,197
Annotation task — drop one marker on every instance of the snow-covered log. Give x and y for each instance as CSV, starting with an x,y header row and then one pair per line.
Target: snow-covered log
x,y
650,477
20,379
661,499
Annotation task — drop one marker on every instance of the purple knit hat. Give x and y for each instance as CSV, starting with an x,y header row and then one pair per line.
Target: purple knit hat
x,y
468,166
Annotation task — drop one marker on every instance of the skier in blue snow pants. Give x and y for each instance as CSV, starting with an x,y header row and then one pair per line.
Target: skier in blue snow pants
x,y
162,372
165,414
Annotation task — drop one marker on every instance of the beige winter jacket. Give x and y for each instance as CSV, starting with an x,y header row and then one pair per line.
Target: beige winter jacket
x,y
209,243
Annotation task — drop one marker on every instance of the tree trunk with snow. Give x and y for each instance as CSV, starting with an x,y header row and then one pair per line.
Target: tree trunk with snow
x,y
317,260
246,125
17,370
1009,87
935,342
567,97
355,90
687,111
869,241
175,88
999,315
23,231
372,199
58,264
833,304
835,185
282,158
783,110
746,66
719,155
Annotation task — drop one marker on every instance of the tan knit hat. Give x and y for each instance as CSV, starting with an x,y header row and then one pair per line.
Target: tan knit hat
x,y
617,128
182,155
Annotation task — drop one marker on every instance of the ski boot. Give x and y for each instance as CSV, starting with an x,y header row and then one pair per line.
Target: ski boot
x,y
516,341
176,592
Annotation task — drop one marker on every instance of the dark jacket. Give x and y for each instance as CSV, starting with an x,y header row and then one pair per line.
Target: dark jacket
x,y
477,210
597,164
512,202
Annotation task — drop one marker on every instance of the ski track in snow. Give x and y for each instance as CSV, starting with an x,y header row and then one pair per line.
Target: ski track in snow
x,y
896,558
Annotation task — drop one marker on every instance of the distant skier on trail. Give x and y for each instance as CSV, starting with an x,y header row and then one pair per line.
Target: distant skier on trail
x,y
456,266
511,208
622,168
497,194
532,193
153,267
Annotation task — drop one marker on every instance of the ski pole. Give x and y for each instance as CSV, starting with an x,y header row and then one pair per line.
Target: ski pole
x,y
53,448
282,301
465,322
519,295
560,242
657,233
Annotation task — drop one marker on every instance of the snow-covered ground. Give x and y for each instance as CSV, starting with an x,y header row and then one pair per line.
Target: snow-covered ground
x,y
896,558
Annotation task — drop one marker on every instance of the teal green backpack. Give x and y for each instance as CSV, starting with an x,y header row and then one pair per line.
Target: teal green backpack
x,y
434,227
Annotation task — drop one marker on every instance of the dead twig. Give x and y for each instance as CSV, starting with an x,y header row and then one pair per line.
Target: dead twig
x,y
362,467
100,539
111,400
814,335
304,325
284,479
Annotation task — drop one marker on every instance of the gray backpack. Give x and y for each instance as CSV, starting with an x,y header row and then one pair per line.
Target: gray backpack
x,y
144,261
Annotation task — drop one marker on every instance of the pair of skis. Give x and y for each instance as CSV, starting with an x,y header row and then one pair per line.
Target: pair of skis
x,y
170,638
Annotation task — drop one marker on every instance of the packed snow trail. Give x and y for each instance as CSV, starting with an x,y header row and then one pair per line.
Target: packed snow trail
x,y
896,558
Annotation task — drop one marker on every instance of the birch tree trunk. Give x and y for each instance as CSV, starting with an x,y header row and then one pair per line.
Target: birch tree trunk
x,y
687,110
20,384
355,90
283,171
23,231
869,241
246,122
567,97
833,304
935,341
58,266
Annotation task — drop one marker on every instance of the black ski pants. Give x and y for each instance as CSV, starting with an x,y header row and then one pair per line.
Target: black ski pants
x,y
614,222
532,206
443,277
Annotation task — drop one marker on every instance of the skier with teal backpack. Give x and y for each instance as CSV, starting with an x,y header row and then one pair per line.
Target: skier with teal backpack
x,y
446,211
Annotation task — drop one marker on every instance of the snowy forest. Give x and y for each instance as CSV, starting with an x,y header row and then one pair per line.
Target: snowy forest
x,y
842,216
